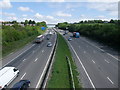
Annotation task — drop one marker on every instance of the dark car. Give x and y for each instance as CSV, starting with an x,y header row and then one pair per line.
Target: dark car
x,y
64,34
69,39
21,85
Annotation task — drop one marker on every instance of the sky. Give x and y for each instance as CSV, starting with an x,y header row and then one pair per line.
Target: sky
x,y
56,11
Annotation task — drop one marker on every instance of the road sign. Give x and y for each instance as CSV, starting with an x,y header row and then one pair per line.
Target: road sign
x,y
43,28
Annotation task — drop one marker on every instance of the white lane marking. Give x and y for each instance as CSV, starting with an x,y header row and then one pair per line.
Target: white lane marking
x,y
112,56
84,51
42,51
106,61
23,76
101,49
39,81
24,60
83,67
110,80
93,61
36,59
19,55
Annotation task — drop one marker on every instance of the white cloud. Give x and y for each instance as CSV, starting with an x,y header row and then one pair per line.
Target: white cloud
x,y
40,16
114,13
100,17
25,9
50,17
12,18
109,8
47,18
61,14
57,0
72,5
37,15
102,0
48,0
24,15
7,14
64,0
5,4
104,6
82,15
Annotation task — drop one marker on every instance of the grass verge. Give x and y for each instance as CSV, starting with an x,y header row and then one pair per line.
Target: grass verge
x,y
60,76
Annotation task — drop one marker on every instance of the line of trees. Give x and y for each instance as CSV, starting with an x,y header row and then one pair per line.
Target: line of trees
x,y
17,32
27,22
104,31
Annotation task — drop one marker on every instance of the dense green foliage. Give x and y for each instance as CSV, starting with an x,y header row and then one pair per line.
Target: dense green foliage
x,y
17,33
106,32
62,25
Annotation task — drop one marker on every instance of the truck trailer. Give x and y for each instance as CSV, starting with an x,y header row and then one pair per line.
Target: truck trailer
x,y
76,34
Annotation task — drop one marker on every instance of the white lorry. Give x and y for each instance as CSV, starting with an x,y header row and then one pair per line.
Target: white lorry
x,y
39,39
7,75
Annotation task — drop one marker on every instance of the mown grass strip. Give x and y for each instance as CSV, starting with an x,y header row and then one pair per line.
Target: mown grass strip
x,y
60,76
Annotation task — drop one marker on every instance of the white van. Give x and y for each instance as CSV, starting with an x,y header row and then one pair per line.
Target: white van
x,y
7,75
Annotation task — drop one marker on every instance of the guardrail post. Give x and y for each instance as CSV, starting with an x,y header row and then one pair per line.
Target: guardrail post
x,y
71,73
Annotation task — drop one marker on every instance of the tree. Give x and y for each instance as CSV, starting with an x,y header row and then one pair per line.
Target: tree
x,y
26,22
14,22
33,22
30,22
111,21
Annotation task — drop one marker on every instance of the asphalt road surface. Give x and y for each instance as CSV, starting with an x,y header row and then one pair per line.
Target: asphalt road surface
x,y
31,61
97,64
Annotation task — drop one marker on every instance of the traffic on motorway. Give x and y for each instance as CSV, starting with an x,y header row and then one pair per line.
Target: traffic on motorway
x,y
98,67
17,73
88,58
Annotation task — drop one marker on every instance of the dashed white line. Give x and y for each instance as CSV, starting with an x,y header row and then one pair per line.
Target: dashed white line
x,y
112,56
23,76
101,49
42,51
39,81
110,80
83,67
24,60
19,55
106,61
93,61
36,59
84,51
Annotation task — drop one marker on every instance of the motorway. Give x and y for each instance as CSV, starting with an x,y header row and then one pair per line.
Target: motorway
x,y
31,61
96,63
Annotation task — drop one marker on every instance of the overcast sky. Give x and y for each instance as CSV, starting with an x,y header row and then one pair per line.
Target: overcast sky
x,y
56,11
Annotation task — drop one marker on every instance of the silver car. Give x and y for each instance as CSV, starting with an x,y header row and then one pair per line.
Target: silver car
x,y
49,44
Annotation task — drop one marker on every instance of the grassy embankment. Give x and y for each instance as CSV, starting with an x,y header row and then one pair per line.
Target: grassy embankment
x,y
60,77
16,37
